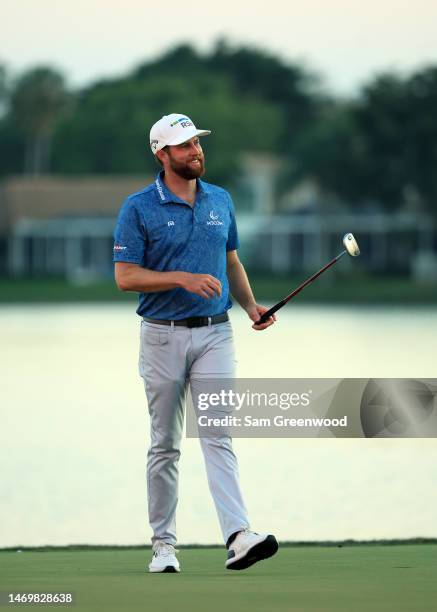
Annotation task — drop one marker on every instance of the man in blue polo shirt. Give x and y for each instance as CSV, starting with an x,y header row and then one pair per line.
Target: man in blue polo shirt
x,y
176,245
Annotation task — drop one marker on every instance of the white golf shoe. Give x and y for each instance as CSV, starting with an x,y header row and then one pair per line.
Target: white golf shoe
x,y
249,547
164,558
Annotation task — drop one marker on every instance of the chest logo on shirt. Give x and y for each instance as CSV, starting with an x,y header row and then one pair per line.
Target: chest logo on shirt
x,y
213,219
170,223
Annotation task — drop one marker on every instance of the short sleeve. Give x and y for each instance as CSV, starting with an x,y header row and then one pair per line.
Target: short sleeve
x,y
130,236
233,242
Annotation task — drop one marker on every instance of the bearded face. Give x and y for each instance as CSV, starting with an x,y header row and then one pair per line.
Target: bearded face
x,y
186,160
191,168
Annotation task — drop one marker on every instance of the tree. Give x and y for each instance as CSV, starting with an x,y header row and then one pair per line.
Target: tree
x,y
109,130
380,147
4,90
11,139
252,72
37,101
332,153
255,72
252,101
420,132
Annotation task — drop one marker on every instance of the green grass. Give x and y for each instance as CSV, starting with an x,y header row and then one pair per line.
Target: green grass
x,y
355,578
58,290
335,289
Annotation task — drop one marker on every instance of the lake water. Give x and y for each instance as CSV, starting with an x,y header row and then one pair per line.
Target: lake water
x,y
74,430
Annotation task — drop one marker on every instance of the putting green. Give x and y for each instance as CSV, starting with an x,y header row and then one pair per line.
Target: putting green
x,y
349,578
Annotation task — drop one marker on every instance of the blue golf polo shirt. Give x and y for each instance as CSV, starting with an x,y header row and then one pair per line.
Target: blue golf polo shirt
x,y
159,231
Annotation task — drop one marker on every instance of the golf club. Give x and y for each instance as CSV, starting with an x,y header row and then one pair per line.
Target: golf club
x,y
351,247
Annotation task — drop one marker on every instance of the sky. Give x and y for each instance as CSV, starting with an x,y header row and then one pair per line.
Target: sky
x,y
345,41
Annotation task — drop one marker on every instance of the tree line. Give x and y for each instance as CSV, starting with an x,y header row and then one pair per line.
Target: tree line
x,y
376,149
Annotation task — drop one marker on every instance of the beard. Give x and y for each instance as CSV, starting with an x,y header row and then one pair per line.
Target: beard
x,y
187,172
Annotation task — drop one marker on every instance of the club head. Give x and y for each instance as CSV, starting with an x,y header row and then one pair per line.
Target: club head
x,y
351,245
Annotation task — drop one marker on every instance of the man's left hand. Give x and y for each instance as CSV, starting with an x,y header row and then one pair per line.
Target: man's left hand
x,y
255,312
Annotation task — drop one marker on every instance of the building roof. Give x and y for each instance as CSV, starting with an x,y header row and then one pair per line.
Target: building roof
x,y
49,197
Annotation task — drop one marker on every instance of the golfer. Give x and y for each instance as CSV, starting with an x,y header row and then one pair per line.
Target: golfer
x,y
176,245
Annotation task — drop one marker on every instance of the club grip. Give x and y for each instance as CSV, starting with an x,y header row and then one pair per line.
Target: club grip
x,y
263,318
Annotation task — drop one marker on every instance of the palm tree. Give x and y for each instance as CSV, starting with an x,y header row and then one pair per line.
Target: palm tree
x,y
37,102
3,90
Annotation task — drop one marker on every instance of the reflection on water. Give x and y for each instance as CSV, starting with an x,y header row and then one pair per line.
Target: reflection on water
x,y
74,430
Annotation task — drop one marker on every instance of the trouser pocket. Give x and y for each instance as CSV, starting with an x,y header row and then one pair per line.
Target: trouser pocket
x,y
152,340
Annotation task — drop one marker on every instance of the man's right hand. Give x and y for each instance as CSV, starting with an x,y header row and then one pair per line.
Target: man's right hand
x,y
204,285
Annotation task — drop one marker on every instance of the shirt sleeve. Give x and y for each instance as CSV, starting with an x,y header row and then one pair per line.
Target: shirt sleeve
x,y
233,242
130,235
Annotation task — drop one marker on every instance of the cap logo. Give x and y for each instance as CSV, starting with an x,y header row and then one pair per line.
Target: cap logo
x,y
183,121
154,145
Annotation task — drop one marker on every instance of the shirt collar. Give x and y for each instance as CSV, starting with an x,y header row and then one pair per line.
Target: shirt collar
x,y
165,195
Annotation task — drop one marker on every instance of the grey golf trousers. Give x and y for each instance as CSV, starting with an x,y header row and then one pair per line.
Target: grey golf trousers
x,y
171,357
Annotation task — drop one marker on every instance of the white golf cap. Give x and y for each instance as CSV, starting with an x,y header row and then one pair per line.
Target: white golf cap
x,y
173,129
